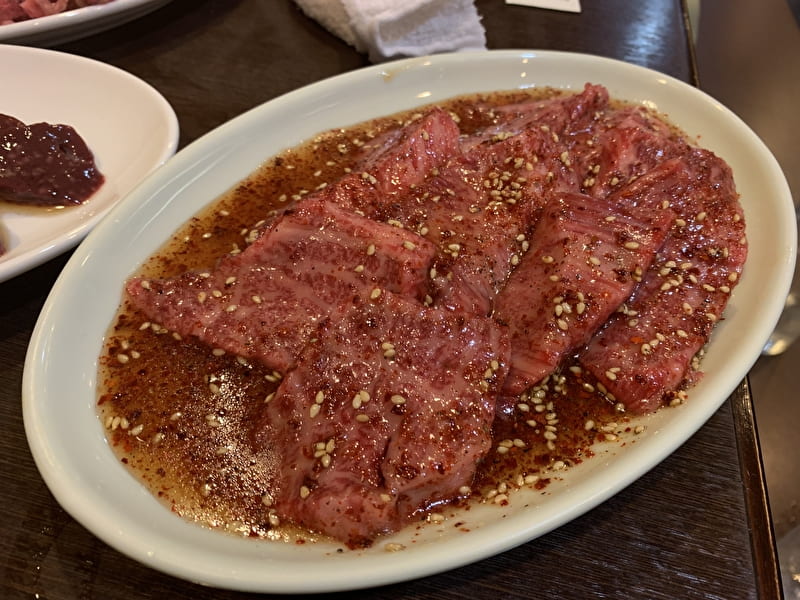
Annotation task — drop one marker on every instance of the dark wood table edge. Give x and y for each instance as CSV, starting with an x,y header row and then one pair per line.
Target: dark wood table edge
x,y
762,533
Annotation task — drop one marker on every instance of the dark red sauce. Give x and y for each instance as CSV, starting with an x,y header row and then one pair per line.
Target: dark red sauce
x,y
45,164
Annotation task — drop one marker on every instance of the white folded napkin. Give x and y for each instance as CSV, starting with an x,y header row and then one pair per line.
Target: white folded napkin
x,y
386,29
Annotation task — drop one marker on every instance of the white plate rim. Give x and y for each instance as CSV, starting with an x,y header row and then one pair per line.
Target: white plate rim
x,y
274,574
77,23
75,222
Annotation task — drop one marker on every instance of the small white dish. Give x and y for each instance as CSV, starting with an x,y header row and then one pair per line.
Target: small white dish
x,y
59,384
70,25
129,127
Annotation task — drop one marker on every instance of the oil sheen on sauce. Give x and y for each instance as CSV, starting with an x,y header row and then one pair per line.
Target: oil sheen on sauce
x,y
178,414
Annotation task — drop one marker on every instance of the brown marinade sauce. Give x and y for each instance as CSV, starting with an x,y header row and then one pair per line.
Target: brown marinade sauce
x,y
178,414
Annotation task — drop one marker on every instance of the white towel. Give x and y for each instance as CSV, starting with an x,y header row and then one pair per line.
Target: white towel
x,y
386,29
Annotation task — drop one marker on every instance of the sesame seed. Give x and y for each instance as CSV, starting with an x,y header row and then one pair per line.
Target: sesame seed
x,y
314,410
631,245
370,249
394,547
304,492
375,293
362,418
408,245
397,399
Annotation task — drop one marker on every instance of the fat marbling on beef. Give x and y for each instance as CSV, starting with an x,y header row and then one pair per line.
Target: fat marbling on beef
x,y
387,413
585,258
645,352
480,206
266,302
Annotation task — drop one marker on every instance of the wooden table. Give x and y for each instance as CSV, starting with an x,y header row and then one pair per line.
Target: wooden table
x,y
696,526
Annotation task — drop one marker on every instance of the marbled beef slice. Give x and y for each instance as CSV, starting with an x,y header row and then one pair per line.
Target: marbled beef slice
x,y
265,302
586,256
479,207
645,353
388,413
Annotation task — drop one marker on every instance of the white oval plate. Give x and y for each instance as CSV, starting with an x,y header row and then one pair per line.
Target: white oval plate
x,y
59,385
130,128
71,25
